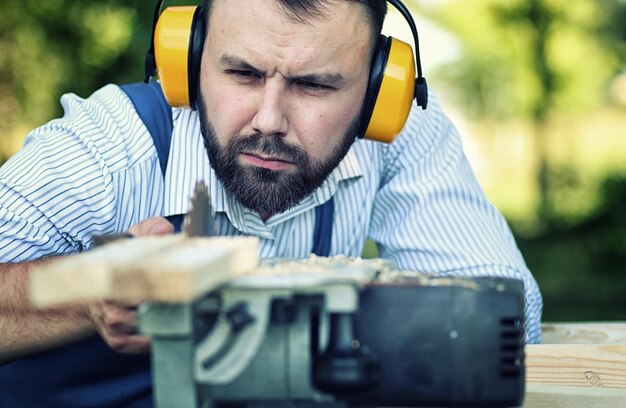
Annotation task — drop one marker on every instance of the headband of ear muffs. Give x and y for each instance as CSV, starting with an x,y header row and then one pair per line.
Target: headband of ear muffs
x,y
176,51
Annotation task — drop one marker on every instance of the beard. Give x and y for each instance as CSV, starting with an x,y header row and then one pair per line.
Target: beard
x,y
266,191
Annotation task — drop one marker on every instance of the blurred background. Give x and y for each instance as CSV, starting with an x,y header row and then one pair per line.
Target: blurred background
x,y
536,87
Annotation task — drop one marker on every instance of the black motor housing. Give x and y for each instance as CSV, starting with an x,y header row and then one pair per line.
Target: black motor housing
x,y
451,342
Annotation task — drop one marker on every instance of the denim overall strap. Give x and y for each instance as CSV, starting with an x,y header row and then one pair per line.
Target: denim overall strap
x,y
323,230
155,113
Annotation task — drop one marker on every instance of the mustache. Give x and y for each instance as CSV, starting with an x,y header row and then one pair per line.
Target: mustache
x,y
273,145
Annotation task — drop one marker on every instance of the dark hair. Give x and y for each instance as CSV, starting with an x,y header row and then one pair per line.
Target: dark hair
x,y
304,9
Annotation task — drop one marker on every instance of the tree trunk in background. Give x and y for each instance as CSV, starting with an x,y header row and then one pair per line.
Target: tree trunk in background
x,y
541,19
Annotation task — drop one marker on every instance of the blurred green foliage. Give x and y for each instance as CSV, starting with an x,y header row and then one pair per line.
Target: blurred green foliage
x,y
50,47
519,55
544,64
580,268
551,63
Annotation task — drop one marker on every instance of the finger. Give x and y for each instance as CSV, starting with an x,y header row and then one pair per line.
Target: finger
x,y
102,322
152,226
96,312
122,339
161,226
129,344
121,304
119,319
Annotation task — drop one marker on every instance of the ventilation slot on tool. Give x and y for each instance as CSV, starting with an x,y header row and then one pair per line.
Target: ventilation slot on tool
x,y
511,347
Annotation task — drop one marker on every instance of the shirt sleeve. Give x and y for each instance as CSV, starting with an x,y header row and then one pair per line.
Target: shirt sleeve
x,y
431,215
76,177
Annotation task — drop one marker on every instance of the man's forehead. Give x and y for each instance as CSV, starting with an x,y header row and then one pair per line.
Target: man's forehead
x,y
247,22
272,43
303,11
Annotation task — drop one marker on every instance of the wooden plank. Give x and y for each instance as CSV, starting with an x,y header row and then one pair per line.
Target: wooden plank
x,y
584,333
577,365
165,268
545,396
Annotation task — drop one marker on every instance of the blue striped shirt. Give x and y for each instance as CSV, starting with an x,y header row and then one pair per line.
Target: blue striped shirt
x,y
96,171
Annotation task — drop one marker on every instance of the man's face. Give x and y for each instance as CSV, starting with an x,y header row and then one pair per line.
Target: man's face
x,y
281,97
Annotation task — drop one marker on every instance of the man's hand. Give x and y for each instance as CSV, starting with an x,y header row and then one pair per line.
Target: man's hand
x,y
117,322
151,226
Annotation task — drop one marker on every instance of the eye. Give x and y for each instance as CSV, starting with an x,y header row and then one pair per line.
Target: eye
x,y
242,74
312,85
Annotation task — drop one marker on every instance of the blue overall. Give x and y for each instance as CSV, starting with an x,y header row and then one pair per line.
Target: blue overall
x,y
88,373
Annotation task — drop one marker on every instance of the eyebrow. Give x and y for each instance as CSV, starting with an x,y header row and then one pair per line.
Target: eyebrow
x,y
230,61
234,62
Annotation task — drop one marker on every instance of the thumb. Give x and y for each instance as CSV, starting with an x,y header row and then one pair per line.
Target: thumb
x,y
161,226
152,226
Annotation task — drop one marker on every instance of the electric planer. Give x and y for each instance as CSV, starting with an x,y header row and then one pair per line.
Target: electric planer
x,y
340,332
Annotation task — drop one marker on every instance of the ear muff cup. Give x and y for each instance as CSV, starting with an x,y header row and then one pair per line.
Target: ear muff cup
x,y
390,91
178,41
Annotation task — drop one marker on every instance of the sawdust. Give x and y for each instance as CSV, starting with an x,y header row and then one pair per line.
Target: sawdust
x,y
381,270
319,265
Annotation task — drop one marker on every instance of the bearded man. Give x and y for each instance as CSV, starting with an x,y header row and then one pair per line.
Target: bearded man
x,y
275,136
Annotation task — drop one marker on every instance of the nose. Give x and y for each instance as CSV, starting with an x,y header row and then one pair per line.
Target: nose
x,y
270,117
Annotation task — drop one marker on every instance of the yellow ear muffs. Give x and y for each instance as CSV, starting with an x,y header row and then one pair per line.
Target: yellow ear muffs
x,y
176,52
178,40
393,97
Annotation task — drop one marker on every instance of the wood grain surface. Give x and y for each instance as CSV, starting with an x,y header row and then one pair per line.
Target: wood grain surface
x,y
542,396
577,365
584,333
165,268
